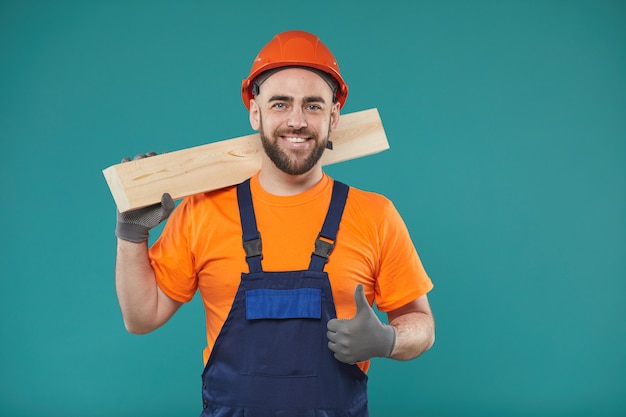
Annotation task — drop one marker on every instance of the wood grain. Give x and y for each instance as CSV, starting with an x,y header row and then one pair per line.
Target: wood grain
x,y
216,165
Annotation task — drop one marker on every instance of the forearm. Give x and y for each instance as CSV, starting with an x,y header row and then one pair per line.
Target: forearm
x,y
136,287
415,334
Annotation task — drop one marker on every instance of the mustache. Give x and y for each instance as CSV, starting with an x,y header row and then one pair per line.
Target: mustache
x,y
304,131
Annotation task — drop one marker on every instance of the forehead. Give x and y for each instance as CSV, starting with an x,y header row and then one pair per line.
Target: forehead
x,y
296,81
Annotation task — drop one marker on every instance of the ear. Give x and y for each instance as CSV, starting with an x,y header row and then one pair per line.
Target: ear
x,y
334,117
255,115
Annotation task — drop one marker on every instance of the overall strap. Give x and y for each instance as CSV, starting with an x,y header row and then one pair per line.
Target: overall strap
x,y
325,242
251,235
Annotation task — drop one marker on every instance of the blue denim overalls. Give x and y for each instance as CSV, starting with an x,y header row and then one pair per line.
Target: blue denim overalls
x,y
271,358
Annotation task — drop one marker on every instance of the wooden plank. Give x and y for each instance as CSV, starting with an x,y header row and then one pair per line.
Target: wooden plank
x,y
216,165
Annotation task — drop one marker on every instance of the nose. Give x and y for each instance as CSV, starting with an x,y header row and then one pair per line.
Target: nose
x,y
297,119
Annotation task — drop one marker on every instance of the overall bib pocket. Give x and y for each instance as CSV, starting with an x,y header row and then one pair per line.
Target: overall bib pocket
x,y
289,322
299,303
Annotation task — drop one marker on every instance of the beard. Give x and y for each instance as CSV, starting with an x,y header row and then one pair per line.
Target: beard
x,y
296,161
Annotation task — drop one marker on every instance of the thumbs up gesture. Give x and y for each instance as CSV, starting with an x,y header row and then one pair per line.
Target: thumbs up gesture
x,y
363,336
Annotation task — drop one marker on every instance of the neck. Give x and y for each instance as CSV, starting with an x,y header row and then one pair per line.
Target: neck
x,y
276,182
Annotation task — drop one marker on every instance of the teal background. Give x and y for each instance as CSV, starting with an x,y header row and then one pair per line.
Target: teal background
x,y
507,125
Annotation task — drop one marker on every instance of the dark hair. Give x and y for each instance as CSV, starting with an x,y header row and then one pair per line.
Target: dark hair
x,y
262,77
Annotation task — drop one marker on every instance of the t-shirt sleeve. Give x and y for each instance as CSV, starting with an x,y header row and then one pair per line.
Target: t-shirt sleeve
x,y
171,257
401,276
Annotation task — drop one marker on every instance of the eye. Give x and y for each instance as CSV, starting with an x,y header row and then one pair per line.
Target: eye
x,y
314,107
279,106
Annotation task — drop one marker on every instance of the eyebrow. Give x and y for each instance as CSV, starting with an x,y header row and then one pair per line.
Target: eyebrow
x,y
309,99
314,99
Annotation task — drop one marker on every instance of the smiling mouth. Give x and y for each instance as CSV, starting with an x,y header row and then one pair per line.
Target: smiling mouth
x,y
295,140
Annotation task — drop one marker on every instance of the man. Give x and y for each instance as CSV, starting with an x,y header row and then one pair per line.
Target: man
x,y
288,263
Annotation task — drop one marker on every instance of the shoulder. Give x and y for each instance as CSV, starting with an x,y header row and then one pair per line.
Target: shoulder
x,y
375,204
205,215
375,212
220,196
203,206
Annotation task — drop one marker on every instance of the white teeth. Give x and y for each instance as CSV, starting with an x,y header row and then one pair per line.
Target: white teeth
x,y
296,140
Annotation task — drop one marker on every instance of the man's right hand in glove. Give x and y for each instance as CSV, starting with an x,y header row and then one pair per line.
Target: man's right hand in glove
x,y
135,225
144,305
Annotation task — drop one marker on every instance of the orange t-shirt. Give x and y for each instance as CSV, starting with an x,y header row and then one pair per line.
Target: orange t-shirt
x,y
200,248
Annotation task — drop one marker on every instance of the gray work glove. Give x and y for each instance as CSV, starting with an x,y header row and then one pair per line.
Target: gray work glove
x,y
135,225
362,337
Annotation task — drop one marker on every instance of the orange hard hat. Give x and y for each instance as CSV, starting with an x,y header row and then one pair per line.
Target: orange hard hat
x,y
298,49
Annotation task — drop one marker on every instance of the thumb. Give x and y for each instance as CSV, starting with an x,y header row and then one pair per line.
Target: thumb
x,y
360,300
167,202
